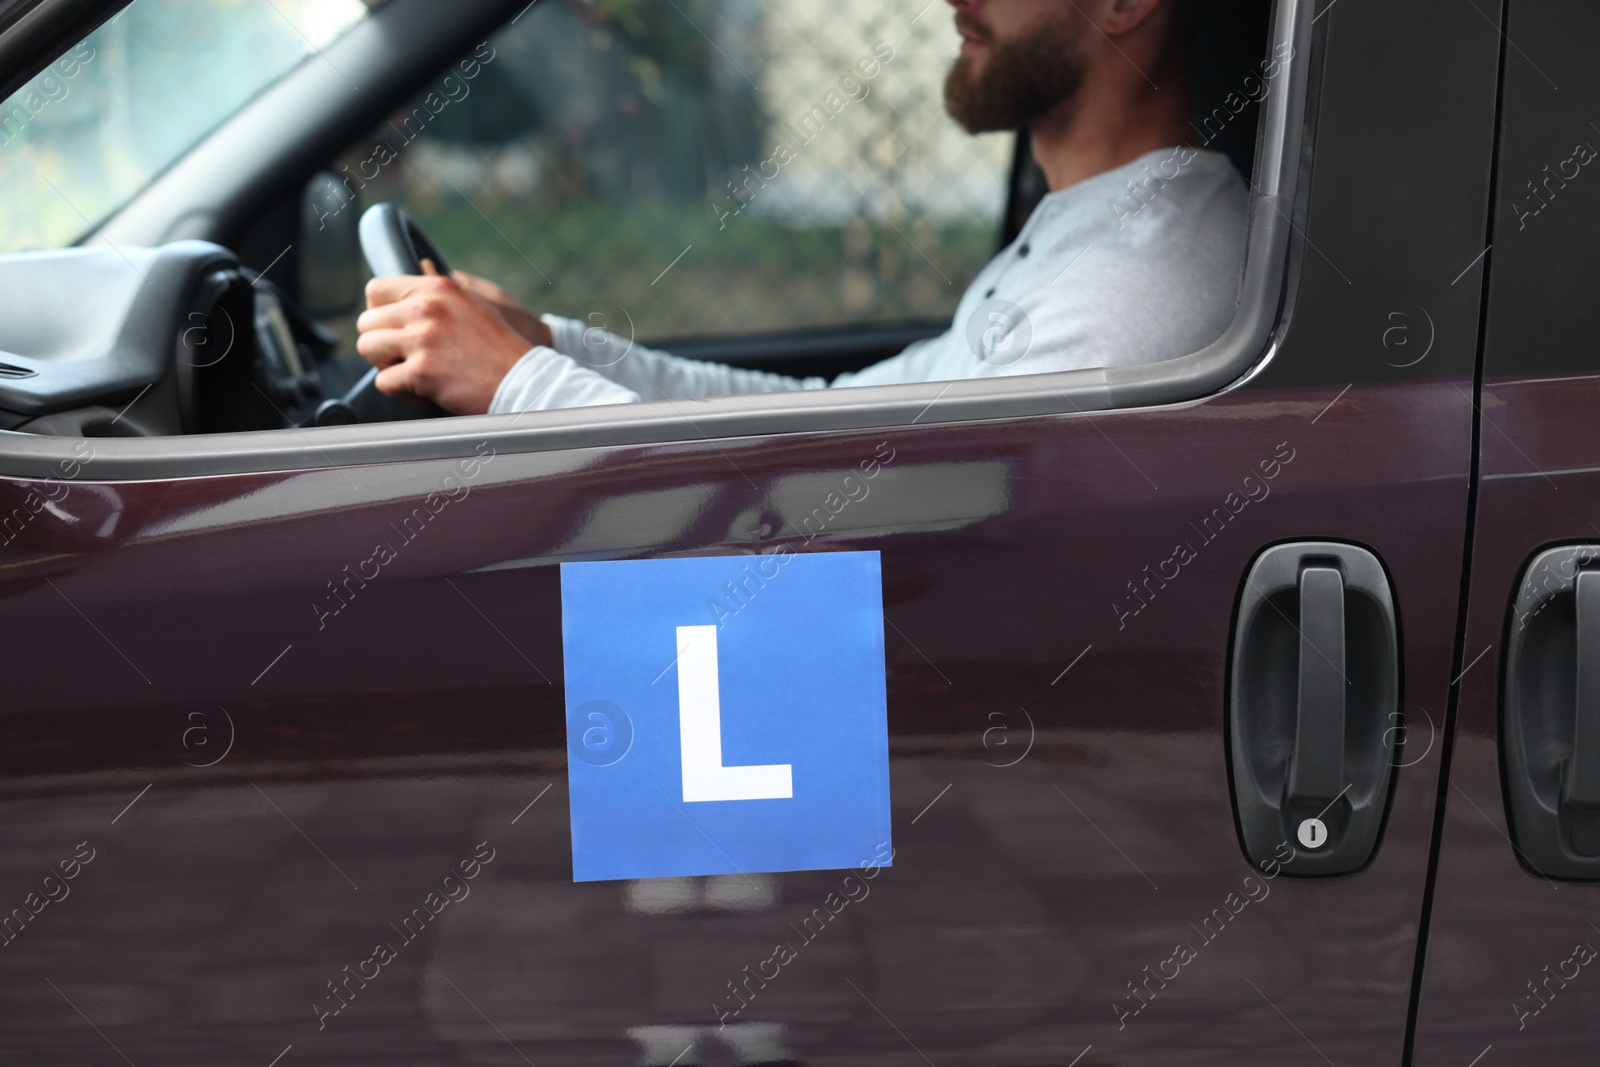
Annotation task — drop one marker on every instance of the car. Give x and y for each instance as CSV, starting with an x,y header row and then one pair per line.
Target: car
x,y
1230,709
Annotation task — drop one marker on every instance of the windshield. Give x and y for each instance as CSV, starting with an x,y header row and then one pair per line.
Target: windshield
x,y
92,129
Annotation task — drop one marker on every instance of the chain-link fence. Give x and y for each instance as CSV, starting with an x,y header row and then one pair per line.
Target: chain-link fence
x,y
705,167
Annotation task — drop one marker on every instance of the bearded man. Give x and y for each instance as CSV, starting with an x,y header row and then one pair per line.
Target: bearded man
x,y
1132,257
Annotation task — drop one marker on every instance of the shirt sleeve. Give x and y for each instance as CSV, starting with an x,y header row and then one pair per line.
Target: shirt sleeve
x,y
544,378
655,375
928,360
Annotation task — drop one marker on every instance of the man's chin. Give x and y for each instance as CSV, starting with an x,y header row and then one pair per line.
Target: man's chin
x,y
970,67
1005,85
964,100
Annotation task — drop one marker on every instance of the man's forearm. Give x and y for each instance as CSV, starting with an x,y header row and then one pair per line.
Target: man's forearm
x,y
545,379
655,375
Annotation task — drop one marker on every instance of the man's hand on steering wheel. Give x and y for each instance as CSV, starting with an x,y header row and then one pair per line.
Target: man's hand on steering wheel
x,y
435,338
517,317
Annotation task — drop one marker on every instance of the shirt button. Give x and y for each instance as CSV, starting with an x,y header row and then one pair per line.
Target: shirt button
x,y
1022,252
989,293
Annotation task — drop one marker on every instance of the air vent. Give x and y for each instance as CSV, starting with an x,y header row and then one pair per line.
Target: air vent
x,y
11,370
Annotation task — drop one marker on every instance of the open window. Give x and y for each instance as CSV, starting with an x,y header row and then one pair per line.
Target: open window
x,y
616,166
578,154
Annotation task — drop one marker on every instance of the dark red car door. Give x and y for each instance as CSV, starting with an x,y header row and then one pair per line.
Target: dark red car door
x,y
245,746
1513,932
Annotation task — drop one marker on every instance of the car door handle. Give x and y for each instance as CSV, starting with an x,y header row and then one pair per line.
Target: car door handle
x,y
1582,777
1550,729
1316,767
1314,706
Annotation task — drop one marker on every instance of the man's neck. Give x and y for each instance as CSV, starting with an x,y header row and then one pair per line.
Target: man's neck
x,y
1115,117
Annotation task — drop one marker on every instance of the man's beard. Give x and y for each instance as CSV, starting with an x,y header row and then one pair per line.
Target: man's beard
x,y
1023,79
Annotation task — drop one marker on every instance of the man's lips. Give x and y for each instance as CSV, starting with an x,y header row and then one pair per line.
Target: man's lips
x,y
971,39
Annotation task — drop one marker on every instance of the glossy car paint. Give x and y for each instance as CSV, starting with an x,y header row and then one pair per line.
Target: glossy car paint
x,y
1086,824
1498,926
1503,939
268,789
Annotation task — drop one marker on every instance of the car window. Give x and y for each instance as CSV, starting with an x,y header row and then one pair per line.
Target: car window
x,y
91,130
714,168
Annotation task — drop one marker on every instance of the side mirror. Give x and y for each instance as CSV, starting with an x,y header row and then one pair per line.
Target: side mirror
x,y
331,282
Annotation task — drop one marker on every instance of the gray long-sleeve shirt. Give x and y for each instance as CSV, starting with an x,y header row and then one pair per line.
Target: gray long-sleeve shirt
x,y
1137,264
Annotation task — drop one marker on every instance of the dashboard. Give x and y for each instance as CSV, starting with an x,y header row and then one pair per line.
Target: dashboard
x,y
125,341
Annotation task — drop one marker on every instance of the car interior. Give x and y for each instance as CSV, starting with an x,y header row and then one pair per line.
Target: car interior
x,y
220,296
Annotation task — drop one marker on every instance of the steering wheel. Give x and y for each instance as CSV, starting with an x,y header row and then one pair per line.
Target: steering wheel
x,y
393,244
